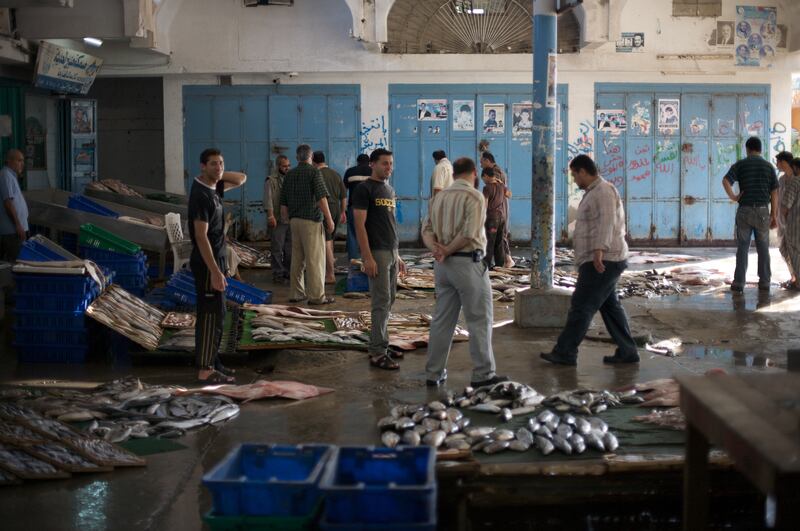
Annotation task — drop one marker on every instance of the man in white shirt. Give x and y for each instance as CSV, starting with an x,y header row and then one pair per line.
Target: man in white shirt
x,y
442,176
600,255
14,213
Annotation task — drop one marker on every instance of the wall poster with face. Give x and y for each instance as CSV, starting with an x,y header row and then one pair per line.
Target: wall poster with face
x,y
494,115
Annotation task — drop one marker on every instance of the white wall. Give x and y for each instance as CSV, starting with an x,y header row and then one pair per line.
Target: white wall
x,y
43,109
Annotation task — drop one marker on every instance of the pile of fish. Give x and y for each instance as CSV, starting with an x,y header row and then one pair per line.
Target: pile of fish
x,y
113,185
568,433
590,401
128,315
179,320
283,330
250,257
506,399
666,418
182,340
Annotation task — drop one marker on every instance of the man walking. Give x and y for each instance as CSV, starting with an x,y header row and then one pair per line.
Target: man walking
x,y
336,205
352,178
494,192
207,261
757,212
488,161
600,255
14,214
304,202
442,176
280,232
376,228
455,235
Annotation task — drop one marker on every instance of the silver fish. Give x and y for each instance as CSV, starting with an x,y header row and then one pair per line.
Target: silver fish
x,y
448,426
525,436
599,408
562,444
480,445
404,423
463,423
430,424
118,434
543,431
419,415
485,408
438,415
386,423
594,440
582,425
545,416
552,424
495,447
577,443
479,431
505,414
468,390
500,402
224,413
398,411
436,406
464,402
434,438
420,430
544,445
502,435
598,424
524,410
454,436
454,414
564,431
610,441
411,438
519,446
533,424
390,439
567,418
183,424
457,444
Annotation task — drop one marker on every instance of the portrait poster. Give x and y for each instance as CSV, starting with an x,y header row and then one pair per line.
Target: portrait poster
x,y
668,115
782,38
631,42
521,120
725,33
494,118
551,80
431,110
35,144
83,158
756,35
612,120
463,115
82,117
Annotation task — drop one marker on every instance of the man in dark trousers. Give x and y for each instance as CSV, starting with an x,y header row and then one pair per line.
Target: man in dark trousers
x,y
336,204
352,178
601,256
757,212
207,232
280,234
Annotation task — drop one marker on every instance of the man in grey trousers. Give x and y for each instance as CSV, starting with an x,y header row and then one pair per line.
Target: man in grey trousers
x,y
280,232
454,232
376,229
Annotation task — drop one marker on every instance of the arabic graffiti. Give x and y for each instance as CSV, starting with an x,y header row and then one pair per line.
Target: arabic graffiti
x,y
776,136
374,134
584,144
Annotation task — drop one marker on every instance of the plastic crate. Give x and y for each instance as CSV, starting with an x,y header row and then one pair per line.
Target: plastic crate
x,y
60,320
79,202
138,281
268,480
51,354
263,523
32,283
357,281
426,526
181,284
368,485
36,252
93,236
49,336
44,302
69,242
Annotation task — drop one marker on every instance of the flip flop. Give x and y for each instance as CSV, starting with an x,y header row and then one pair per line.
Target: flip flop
x,y
384,362
219,367
326,300
395,354
217,377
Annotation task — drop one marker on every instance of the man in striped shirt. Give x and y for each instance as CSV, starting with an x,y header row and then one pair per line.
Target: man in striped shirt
x,y
757,212
600,255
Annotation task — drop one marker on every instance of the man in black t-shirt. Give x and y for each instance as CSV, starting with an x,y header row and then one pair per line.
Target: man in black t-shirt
x,y
352,178
207,232
374,211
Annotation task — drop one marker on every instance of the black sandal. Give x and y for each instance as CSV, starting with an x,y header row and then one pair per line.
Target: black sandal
x,y
384,362
217,377
219,367
395,353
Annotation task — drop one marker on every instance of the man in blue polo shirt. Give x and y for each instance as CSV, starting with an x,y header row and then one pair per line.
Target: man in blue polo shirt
x,y
757,212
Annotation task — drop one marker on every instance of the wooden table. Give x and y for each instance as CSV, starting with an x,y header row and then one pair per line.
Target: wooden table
x,y
756,420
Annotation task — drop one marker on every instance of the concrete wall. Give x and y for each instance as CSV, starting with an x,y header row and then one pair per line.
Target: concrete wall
x,y
41,111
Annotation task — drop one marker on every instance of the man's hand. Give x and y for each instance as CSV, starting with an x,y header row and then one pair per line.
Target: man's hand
x,y
599,266
272,222
773,221
370,267
329,225
21,233
218,282
401,266
343,218
440,252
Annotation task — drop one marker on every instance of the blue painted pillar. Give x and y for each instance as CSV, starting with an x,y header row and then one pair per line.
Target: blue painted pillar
x,y
543,143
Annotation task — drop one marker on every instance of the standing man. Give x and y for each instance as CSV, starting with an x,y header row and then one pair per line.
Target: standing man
x,y
352,178
14,215
455,235
487,161
207,232
280,232
783,161
336,205
600,255
376,228
757,212
442,176
304,202
493,191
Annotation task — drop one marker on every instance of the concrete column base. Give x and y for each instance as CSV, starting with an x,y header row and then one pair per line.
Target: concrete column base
x,y
535,308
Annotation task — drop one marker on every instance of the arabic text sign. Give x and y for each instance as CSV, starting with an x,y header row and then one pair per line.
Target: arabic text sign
x,y
64,70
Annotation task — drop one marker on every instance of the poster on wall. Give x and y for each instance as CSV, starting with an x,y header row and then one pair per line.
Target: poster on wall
x,y
493,118
35,144
431,110
612,120
756,35
632,42
668,115
724,33
782,37
82,117
83,157
521,123
463,115
551,80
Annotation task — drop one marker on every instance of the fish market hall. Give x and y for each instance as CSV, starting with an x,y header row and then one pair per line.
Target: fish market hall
x,y
399,264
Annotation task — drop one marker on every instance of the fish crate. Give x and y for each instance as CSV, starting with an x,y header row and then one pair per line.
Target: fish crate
x,y
264,523
35,284
356,281
93,236
268,480
122,264
51,354
181,285
69,242
79,202
43,302
36,252
61,320
131,282
52,337
368,485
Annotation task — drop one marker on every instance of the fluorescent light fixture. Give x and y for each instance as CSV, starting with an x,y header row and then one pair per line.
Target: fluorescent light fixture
x,y
93,41
476,11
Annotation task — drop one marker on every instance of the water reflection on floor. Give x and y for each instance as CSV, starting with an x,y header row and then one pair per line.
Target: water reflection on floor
x,y
734,357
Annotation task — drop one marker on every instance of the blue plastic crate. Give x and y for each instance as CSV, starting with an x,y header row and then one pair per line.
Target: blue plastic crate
x,y
34,251
181,284
80,202
357,281
60,320
137,281
153,272
49,336
368,485
69,242
32,283
44,302
51,354
268,479
426,526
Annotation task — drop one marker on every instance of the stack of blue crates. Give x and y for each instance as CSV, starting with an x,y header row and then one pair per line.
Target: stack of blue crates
x,y
83,203
130,270
181,285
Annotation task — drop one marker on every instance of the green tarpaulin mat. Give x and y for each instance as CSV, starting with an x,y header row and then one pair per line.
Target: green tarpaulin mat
x,y
151,445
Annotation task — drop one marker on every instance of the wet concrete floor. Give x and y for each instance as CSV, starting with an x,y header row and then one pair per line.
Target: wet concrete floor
x,y
739,333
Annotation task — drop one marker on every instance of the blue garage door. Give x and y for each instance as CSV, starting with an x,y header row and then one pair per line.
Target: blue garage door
x,y
670,174
414,140
254,124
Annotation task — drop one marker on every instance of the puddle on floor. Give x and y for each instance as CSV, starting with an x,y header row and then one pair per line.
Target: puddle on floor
x,y
735,357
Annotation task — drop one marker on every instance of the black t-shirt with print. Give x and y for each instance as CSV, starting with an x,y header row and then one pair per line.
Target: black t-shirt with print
x,y
378,199
205,204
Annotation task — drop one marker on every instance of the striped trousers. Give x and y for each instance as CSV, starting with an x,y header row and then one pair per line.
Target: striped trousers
x,y
210,316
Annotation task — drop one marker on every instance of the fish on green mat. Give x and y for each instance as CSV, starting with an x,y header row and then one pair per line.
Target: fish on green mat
x,y
152,445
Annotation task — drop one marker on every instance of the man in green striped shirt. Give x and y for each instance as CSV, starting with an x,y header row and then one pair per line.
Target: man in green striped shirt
x,y
757,212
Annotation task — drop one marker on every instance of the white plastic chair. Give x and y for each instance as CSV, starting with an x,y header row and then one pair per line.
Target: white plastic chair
x,y
181,248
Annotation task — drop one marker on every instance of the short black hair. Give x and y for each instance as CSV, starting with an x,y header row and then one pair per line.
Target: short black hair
x,y
796,166
465,108
378,153
208,153
488,172
318,157
488,156
785,156
583,162
303,152
753,144
463,165
362,159
279,158
439,154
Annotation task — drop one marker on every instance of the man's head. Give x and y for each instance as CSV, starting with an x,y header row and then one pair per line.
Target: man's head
x,y
318,158
464,168
283,164
796,166
583,171
726,31
487,175
638,40
487,160
783,161
465,110
212,164
303,153
669,111
439,155
362,159
15,160
381,161
525,114
492,114
753,145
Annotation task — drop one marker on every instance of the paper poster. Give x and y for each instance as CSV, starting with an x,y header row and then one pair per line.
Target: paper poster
x,y
724,33
668,115
431,110
631,42
35,144
463,115
493,118
612,120
82,117
83,157
521,123
551,80
756,35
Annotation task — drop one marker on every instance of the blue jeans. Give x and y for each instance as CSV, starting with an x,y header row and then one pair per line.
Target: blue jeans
x,y
596,291
752,220
352,241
